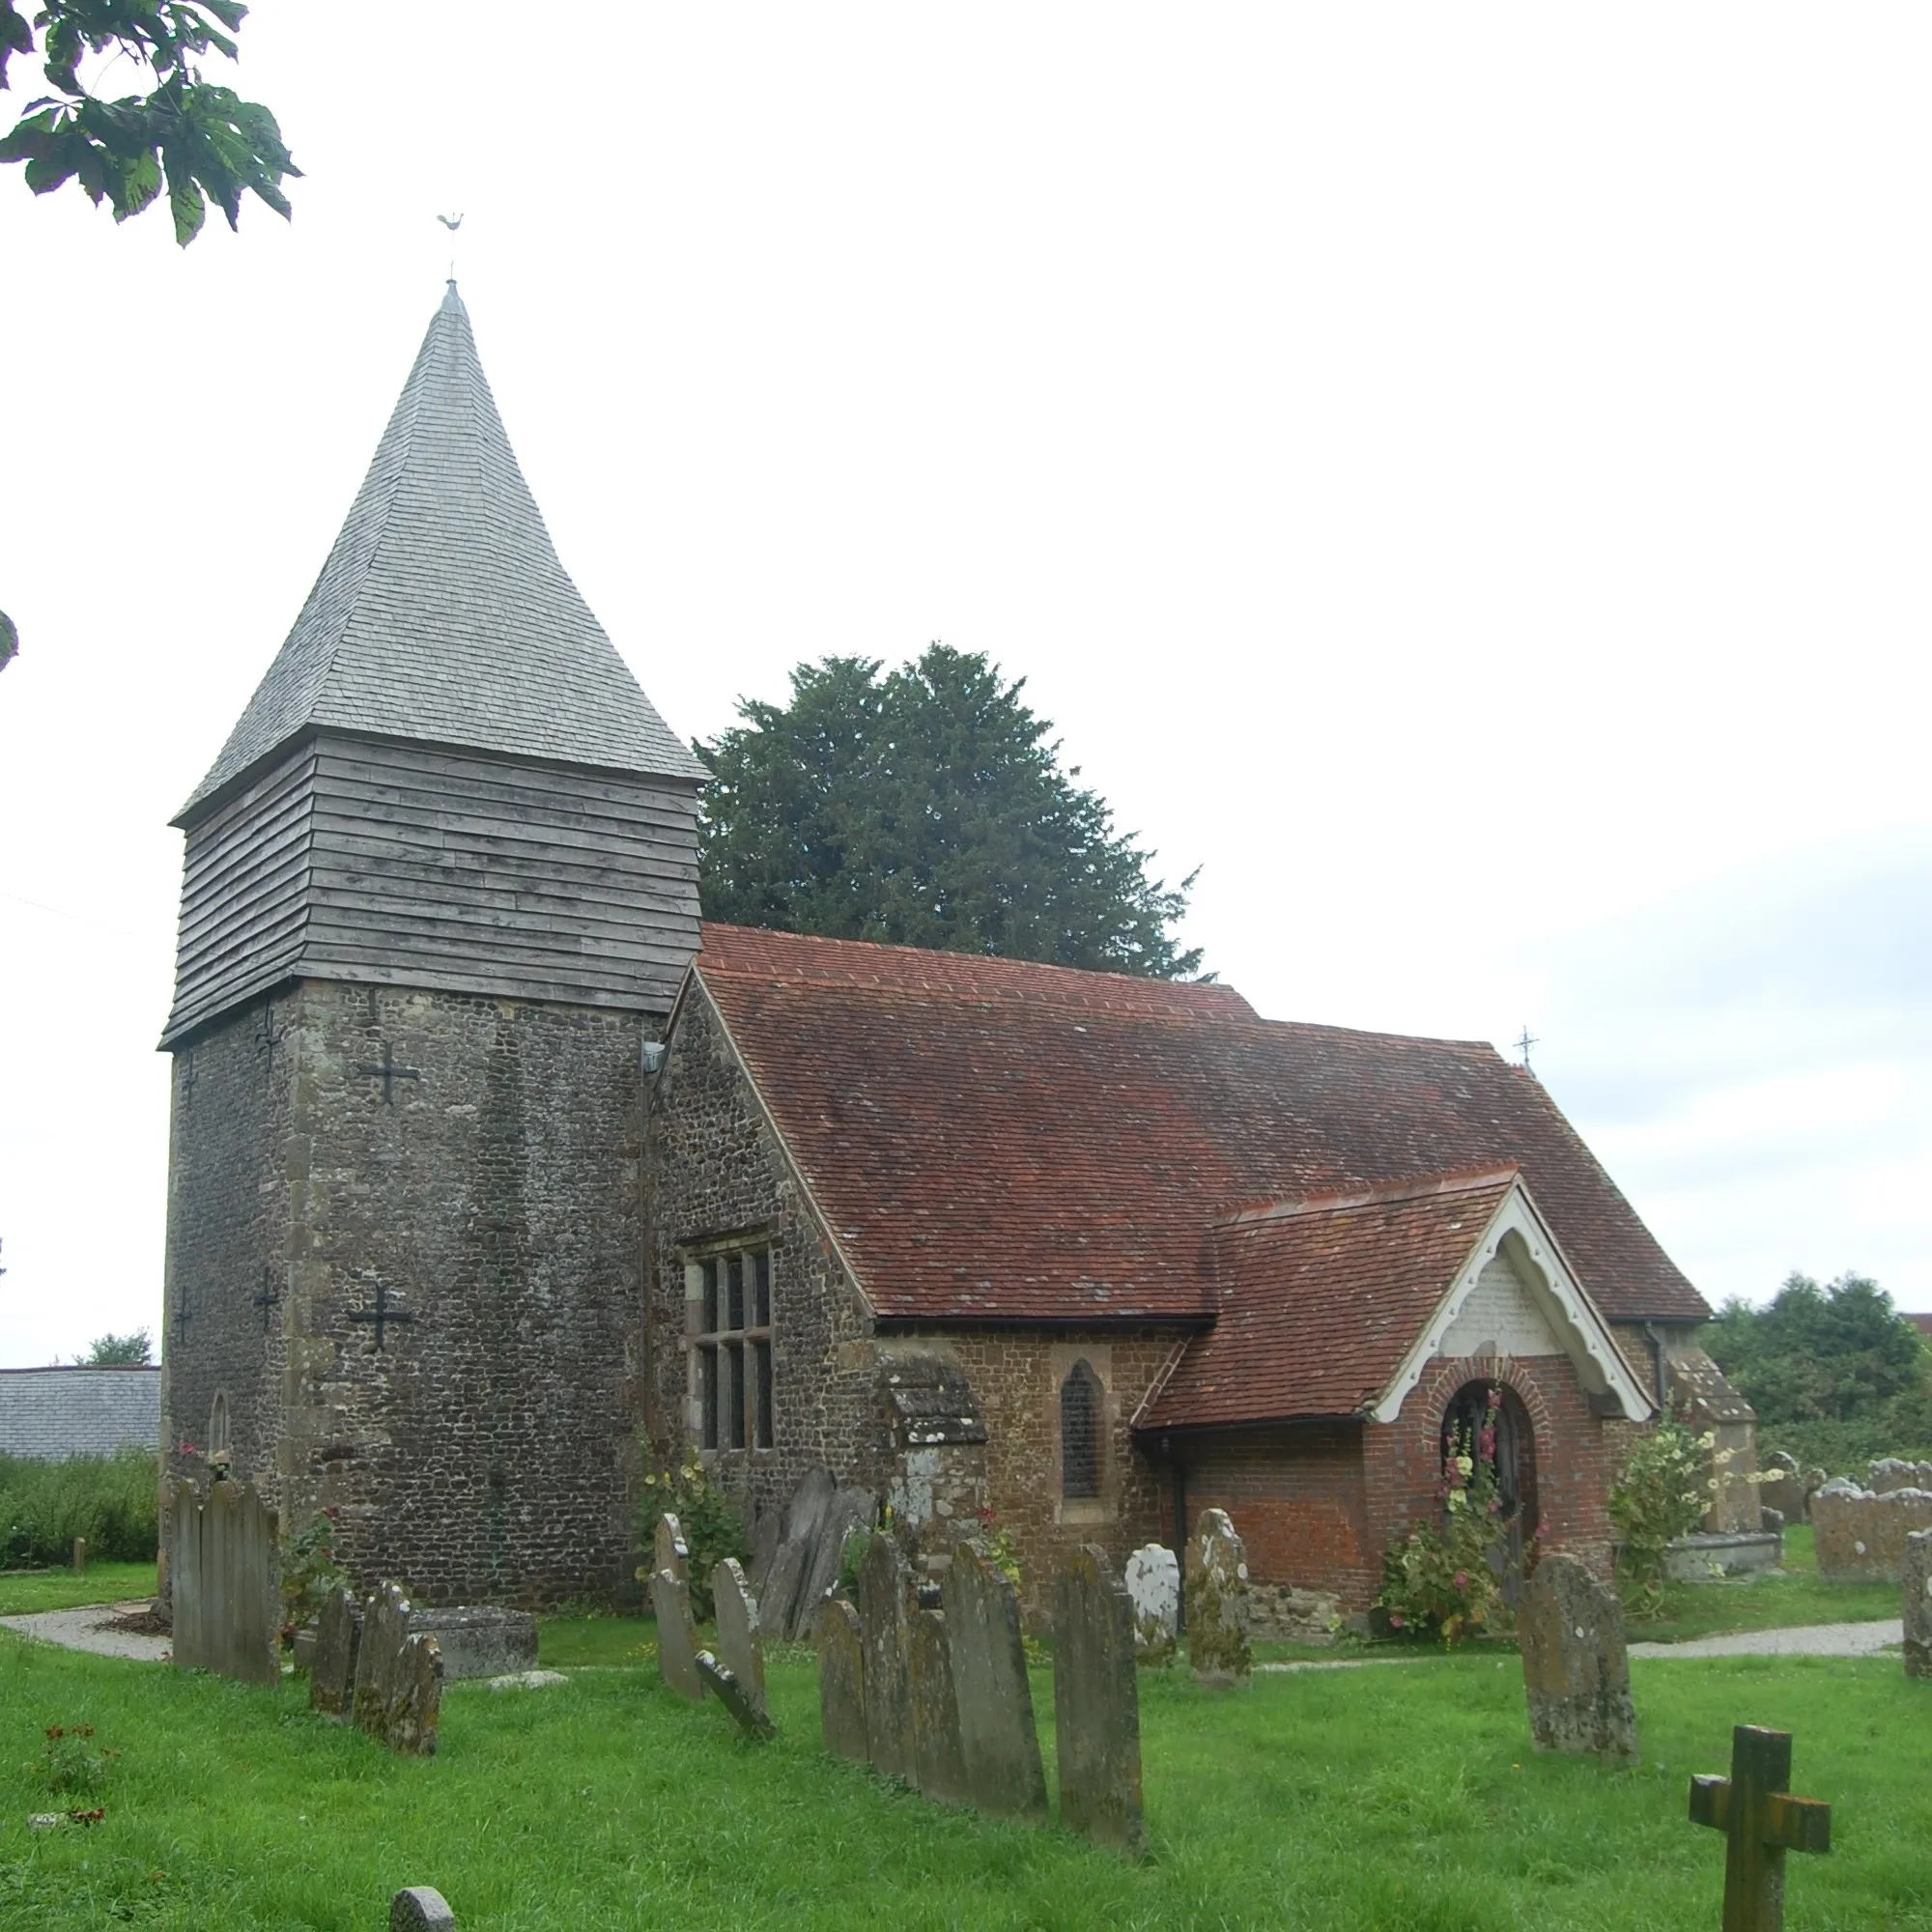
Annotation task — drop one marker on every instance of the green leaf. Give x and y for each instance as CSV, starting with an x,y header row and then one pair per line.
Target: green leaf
x,y
190,207
9,641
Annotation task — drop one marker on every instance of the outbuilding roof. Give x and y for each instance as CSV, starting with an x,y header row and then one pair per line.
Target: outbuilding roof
x,y
991,1140
49,1414
442,613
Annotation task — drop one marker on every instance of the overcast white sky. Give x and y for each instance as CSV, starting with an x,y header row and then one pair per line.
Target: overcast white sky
x,y
1458,476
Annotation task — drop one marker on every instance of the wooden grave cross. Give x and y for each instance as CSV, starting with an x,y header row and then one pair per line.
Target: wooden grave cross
x,y
388,1074
1761,1821
381,1313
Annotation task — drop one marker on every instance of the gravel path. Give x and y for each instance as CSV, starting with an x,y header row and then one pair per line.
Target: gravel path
x,y
84,1630
1806,1640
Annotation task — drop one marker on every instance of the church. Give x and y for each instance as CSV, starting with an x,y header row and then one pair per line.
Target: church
x,y
497,1176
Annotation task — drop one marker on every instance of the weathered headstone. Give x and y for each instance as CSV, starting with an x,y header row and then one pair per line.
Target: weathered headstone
x,y
670,1551
226,1584
1096,1715
415,1713
1761,1821
1918,1604
935,1709
740,1643
781,1581
1576,1673
723,1684
884,1602
1153,1582
841,1682
385,1628
1217,1603
998,1739
332,1681
420,1909
678,1635
848,1511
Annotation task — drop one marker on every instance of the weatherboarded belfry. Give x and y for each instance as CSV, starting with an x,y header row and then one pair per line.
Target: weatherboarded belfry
x,y
441,889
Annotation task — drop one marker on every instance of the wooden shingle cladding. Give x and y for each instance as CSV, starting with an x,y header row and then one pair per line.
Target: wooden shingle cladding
x,y
424,866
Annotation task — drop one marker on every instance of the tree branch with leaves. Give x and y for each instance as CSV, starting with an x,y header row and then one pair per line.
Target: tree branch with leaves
x,y
192,139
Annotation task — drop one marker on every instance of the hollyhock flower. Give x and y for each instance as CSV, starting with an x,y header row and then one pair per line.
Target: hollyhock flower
x,y
1395,1620
1466,1465
1462,1580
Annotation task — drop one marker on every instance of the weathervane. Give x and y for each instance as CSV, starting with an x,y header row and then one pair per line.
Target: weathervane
x,y
452,223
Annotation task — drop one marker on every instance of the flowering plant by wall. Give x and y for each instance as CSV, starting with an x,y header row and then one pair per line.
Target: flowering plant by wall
x,y
1662,1493
713,1529
1444,1579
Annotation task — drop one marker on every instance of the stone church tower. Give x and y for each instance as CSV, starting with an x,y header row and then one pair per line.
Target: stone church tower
x,y
440,889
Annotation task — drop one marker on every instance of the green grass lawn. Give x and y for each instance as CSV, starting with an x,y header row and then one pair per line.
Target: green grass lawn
x,y
23,1592
1399,1800
1774,1599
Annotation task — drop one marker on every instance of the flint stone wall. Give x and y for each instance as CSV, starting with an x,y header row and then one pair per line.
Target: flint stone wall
x,y
1861,1536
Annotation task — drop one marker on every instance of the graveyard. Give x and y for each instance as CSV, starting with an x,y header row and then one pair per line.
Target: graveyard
x,y
1402,1793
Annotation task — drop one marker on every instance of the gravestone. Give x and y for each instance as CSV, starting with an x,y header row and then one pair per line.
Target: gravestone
x,y
331,1679
849,1510
841,1682
723,1684
480,1642
740,1644
414,1712
998,1739
1918,1604
385,1628
1217,1603
225,1580
1576,1673
670,1552
1780,1489
884,1602
1761,1821
678,1635
935,1709
1153,1582
1096,1703
420,1909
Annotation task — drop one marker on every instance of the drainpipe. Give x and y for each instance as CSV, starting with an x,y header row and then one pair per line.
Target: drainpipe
x,y
1179,1527
1658,1358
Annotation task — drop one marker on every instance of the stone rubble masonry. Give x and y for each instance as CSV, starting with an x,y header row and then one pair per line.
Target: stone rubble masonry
x,y
1918,1604
1576,1671
485,1453
1861,1537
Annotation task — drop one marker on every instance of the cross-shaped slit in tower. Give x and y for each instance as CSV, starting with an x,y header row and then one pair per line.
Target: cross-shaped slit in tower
x,y
268,1298
388,1074
268,1037
188,1076
381,1313
1755,1810
183,1312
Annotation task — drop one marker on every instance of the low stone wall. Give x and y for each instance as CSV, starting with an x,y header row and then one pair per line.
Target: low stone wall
x,y
1704,1558
1860,1533
1280,1613
1891,1472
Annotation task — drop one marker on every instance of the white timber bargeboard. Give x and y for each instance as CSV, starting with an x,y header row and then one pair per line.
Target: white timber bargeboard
x,y
1553,1296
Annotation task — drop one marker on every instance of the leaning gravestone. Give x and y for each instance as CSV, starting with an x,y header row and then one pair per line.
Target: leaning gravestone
x,y
885,1600
415,1713
678,1635
1096,1715
998,1739
723,1684
1217,1603
841,1682
740,1646
1918,1604
226,1584
935,1709
1576,1673
1153,1582
671,1552
420,1909
385,1628
331,1680
849,1510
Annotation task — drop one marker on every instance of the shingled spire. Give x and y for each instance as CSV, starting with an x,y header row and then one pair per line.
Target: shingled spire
x,y
448,777
442,613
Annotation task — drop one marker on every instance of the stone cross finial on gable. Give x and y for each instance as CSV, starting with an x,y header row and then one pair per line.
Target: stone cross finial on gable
x,y
1753,1807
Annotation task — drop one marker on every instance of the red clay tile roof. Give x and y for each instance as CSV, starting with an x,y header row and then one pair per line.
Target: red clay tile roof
x,y
994,1140
1320,1300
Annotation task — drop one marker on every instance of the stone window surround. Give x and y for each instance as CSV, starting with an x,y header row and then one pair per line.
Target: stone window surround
x,y
1103,1507
754,1339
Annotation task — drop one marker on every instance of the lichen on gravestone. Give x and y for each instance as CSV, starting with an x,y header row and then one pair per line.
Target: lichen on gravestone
x,y
1096,1703
841,1682
885,1605
723,1684
935,1709
1153,1582
998,1737
1576,1670
1217,1603
740,1641
332,1682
